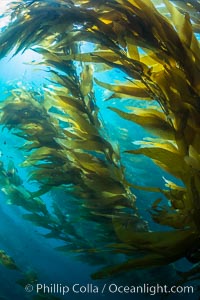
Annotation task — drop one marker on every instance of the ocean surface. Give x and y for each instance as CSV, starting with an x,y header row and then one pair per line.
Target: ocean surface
x,y
33,262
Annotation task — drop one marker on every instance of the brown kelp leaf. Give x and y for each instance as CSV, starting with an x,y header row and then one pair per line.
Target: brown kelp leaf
x,y
139,91
93,57
167,243
42,153
29,277
89,163
40,220
171,162
184,27
18,195
152,120
148,261
165,247
7,261
86,80
170,216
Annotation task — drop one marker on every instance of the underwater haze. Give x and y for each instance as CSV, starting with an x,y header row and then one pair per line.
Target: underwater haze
x,y
99,149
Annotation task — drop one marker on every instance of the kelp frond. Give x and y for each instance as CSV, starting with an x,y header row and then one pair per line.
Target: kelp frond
x,y
157,50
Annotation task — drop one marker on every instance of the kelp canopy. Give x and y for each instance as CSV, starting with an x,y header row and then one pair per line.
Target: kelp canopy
x,y
154,44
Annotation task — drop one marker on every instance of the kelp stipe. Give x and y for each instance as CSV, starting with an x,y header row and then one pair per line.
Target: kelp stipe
x,y
167,72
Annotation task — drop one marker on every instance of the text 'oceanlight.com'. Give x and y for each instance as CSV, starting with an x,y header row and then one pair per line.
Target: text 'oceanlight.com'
x,y
111,288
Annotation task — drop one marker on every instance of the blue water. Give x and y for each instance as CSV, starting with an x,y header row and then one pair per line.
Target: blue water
x,y
25,242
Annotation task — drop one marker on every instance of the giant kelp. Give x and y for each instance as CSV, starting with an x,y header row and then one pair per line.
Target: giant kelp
x,y
74,154
167,70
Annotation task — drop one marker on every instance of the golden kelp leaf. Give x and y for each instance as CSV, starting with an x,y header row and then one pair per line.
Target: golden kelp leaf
x,y
71,135
166,247
123,97
49,176
177,195
63,102
132,49
157,143
86,80
157,242
60,117
171,162
82,145
121,26
184,27
145,188
49,55
89,163
168,216
83,123
93,57
100,184
42,153
152,61
154,121
166,146
140,92
193,158
94,143
172,185
169,254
